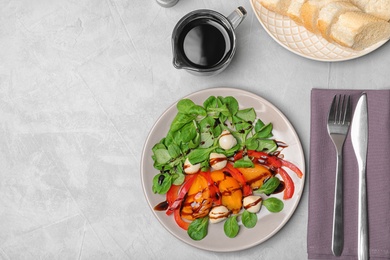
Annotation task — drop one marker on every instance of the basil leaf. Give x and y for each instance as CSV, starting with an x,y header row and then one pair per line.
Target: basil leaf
x,y
269,186
198,228
231,227
273,205
249,219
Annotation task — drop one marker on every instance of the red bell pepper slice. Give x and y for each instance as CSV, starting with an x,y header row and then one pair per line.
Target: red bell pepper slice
x,y
288,182
182,193
271,161
292,167
171,197
239,155
237,175
179,221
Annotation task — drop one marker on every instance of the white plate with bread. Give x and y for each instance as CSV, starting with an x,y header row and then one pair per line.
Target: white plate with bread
x,y
326,30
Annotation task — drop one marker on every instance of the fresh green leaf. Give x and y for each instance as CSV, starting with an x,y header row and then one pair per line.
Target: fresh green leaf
x,y
273,204
198,228
179,178
231,104
269,186
259,124
206,140
174,150
248,115
207,124
199,155
161,155
184,106
264,132
188,132
194,142
249,219
181,120
162,183
231,227
266,145
198,111
244,163
211,102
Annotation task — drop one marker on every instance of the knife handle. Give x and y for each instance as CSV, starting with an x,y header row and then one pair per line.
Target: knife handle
x,y
362,218
338,226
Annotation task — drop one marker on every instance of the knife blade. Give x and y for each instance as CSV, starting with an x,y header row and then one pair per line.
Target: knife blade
x,y
359,136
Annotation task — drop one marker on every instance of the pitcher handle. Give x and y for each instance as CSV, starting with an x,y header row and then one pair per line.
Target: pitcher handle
x,y
237,16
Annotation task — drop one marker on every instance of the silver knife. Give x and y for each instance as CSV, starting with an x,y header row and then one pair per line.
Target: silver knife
x,y
359,135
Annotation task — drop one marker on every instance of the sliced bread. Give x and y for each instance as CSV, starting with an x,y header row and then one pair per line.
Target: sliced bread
x,y
359,30
294,10
310,11
329,14
277,6
378,8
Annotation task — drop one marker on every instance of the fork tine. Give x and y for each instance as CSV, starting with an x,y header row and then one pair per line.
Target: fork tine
x,y
332,111
348,113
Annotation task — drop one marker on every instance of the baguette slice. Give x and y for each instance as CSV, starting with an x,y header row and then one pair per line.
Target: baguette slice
x,y
294,10
277,6
329,15
310,11
379,8
358,30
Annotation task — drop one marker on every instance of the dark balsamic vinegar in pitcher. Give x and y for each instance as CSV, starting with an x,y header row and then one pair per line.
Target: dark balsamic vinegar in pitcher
x,y
205,43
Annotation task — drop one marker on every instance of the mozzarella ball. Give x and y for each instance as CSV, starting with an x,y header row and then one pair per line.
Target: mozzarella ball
x,y
218,161
227,140
218,214
252,203
189,168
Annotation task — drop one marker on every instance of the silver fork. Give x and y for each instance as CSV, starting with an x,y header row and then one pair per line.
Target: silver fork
x,y
339,119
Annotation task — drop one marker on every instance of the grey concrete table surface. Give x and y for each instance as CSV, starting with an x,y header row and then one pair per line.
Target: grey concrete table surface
x,y
81,85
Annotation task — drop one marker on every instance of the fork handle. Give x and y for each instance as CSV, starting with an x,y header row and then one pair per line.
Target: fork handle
x,y
338,226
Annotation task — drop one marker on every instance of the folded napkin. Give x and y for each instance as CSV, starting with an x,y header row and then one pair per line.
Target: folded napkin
x,y
322,178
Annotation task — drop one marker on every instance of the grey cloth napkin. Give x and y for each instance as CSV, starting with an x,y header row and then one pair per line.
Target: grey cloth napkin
x,y
322,178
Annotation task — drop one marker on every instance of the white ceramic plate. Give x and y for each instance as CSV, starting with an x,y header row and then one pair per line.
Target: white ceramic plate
x,y
269,223
298,40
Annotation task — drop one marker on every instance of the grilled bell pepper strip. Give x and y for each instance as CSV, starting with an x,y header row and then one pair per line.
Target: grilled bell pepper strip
x,y
236,174
171,197
179,221
182,193
288,182
292,167
274,162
